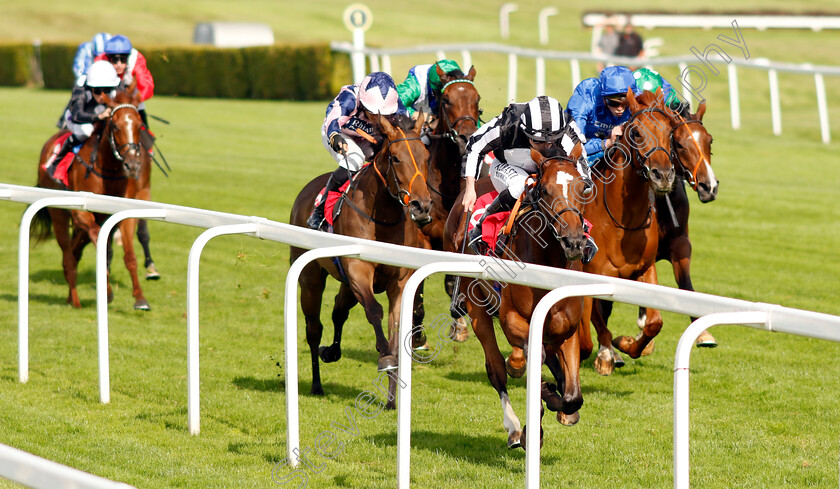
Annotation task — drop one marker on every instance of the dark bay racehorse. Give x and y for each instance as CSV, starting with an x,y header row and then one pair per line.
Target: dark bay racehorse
x,y
554,211
692,150
457,120
625,225
111,162
374,208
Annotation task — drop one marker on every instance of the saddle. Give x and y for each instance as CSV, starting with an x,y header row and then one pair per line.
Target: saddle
x,y
58,170
497,227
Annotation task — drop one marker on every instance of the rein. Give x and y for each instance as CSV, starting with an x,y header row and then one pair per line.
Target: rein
x,y
692,174
118,153
548,212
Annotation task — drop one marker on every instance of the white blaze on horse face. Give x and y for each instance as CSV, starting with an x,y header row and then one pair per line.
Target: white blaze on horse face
x,y
711,174
564,179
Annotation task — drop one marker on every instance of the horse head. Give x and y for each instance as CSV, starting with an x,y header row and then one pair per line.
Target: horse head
x,y
402,165
692,147
123,131
560,195
458,113
647,136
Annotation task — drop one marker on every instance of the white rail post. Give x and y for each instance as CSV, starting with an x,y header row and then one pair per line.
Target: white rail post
x,y
290,308
734,103
374,62
575,64
404,359
513,75
685,91
23,274
534,366
681,362
386,64
822,106
543,23
193,265
440,54
466,60
102,290
504,18
775,105
540,75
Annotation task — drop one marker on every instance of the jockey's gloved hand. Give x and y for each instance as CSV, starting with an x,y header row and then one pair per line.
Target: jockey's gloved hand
x,y
337,142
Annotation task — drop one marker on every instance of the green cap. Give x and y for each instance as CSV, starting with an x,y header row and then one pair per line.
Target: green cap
x,y
650,80
447,66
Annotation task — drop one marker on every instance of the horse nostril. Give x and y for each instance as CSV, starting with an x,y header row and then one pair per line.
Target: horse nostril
x,y
655,174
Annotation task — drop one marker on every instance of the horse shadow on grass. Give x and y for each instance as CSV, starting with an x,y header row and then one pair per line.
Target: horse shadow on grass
x,y
332,390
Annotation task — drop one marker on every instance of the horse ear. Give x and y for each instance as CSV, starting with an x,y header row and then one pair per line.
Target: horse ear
x,y
386,126
132,86
537,157
441,74
471,75
418,124
576,152
701,109
659,100
632,104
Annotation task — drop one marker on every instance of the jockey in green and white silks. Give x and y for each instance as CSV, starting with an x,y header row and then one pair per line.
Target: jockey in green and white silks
x,y
649,80
421,89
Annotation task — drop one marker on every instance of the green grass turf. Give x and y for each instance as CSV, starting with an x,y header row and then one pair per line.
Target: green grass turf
x,y
764,411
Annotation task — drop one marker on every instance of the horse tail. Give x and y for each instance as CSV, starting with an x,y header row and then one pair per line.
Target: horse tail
x,y
41,228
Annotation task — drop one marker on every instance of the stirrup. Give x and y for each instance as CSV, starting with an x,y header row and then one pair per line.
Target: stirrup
x,y
589,250
315,222
475,242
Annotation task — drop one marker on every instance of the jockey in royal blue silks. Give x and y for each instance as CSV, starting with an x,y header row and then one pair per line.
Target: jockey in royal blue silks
x,y
599,107
348,126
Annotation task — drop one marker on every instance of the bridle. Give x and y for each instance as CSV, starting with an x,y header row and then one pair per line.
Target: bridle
x,y
690,176
452,132
644,169
119,153
548,212
401,195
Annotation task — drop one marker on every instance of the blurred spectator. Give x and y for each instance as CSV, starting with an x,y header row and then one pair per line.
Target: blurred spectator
x,y
630,44
607,44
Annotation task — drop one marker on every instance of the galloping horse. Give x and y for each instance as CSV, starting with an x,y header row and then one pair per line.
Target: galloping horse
x,y
111,162
691,146
625,226
554,211
457,120
374,207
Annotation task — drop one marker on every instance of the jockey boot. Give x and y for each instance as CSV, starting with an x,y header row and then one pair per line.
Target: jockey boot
x,y
66,146
334,183
590,248
503,202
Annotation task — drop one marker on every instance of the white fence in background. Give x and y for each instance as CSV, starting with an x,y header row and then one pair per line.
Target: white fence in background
x,y
380,59
711,309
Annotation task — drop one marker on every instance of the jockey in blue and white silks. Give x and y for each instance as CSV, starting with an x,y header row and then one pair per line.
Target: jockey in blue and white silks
x,y
87,51
598,106
347,130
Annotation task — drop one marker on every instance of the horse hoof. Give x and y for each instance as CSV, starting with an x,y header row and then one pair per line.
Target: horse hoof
x,y
604,363
514,440
419,342
316,390
706,340
152,273
142,305
649,349
514,372
329,354
386,363
617,360
549,395
568,419
391,404
525,434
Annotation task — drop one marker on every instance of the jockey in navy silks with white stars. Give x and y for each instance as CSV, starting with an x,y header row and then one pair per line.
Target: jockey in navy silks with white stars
x,y
599,107
347,127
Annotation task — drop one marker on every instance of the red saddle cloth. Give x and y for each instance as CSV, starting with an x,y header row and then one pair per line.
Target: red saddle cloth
x,y
493,224
59,173
332,198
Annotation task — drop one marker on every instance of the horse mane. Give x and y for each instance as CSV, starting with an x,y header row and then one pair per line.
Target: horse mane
x,y
646,98
401,121
123,97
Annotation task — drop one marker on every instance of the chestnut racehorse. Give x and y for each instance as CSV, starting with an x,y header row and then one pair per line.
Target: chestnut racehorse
x,y
111,162
625,226
550,232
374,208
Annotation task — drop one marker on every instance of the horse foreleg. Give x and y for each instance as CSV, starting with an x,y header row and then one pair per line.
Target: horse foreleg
x,y
653,324
344,301
583,332
127,228
681,261
361,281
312,282
418,340
607,359
60,222
144,237
494,363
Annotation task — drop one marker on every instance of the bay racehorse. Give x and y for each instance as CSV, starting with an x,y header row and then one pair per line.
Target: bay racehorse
x,y
456,120
691,145
625,225
110,162
374,207
548,232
